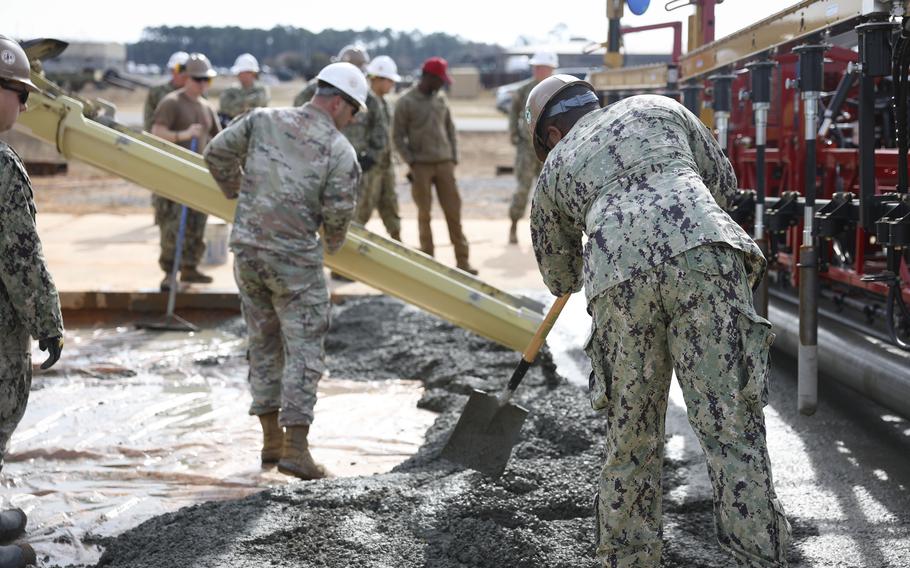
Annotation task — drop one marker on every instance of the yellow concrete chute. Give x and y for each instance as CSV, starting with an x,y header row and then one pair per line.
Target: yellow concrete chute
x,y
180,175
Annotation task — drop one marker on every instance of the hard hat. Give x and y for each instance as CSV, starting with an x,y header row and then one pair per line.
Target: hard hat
x,y
14,65
538,99
177,58
348,79
198,65
384,66
545,58
353,54
439,67
245,62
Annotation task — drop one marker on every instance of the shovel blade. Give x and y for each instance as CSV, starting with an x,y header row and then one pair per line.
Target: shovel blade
x,y
485,434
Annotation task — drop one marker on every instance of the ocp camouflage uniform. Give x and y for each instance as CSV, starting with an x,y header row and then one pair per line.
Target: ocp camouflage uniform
x,y
298,174
667,277
369,134
236,100
527,166
29,305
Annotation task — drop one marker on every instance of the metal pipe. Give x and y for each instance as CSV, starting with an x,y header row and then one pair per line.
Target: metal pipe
x,y
760,94
722,104
811,82
692,97
866,364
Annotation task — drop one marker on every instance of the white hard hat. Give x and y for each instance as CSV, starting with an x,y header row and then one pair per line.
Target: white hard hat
x,y
546,58
245,62
348,79
383,66
177,58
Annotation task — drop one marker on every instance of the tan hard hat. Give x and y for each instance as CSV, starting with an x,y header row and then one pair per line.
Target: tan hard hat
x,y
14,65
538,99
198,65
353,54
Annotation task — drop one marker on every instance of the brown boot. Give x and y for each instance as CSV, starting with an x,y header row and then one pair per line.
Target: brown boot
x,y
467,268
193,275
295,457
272,438
395,235
513,233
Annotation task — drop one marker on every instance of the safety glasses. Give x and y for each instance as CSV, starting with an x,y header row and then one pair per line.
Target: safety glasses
x,y
202,79
353,104
21,93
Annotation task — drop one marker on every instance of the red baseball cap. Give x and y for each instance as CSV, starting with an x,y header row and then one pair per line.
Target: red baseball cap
x,y
439,67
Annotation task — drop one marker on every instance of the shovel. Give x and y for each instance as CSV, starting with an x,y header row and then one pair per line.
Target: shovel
x,y
171,321
489,425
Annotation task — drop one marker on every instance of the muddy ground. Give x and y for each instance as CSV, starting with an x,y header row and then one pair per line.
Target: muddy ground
x,y
426,512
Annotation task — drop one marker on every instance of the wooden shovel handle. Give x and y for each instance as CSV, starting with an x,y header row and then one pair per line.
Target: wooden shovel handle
x,y
537,341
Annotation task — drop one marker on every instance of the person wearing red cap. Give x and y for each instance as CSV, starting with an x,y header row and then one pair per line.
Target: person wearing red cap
x,y
424,137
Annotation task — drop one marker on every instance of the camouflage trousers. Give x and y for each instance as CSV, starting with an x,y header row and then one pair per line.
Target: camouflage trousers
x,y
527,168
167,217
15,383
377,192
286,309
693,314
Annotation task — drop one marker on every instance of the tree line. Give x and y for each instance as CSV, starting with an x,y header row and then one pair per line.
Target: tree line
x,y
299,51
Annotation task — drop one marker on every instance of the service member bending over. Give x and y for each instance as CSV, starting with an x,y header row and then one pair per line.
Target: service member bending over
x,y
292,172
668,278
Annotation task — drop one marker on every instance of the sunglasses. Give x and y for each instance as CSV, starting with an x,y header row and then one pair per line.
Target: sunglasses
x,y
21,93
353,104
202,79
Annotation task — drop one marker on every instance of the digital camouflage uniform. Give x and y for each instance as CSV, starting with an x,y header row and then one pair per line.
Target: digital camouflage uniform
x,y
236,100
298,174
172,114
527,166
667,276
369,133
29,305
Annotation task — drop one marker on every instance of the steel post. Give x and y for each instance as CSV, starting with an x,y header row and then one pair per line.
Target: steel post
x,y
760,94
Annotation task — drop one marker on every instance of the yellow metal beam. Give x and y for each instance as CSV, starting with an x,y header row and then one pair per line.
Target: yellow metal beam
x,y
180,175
787,26
644,77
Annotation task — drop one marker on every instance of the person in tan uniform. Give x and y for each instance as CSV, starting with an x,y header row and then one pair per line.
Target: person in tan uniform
x,y
424,137
186,118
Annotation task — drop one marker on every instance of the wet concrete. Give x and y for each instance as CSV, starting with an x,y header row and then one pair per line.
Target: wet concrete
x,y
842,475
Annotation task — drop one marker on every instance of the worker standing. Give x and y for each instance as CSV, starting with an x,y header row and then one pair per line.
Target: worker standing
x,y
29,304
176,65
378,185
424,137
668,277
250,94
186,118
527,166
293,174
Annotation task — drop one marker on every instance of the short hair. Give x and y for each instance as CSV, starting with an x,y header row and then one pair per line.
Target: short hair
x,y
324,89
566,120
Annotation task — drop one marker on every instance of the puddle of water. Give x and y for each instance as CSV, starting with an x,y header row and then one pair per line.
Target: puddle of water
x,y
132,424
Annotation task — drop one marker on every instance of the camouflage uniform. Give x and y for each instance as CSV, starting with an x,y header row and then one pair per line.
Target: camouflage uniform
x,y
236,100
646,182
371,138
172,113
161,205
29,305
527,166
292,172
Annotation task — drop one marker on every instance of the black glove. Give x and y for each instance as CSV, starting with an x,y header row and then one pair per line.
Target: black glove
x,y
53,346
366,162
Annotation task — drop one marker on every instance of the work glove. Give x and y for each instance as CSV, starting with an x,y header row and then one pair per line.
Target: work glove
x,y
366,162
53,346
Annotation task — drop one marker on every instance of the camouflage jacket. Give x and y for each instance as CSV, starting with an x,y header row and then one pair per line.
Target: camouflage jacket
x,y
385,157
29,305
292,172
368,134
152,100
518,127
423,130
645,181
236,100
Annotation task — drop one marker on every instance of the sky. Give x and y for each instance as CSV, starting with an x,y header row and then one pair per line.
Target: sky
x,y
492,21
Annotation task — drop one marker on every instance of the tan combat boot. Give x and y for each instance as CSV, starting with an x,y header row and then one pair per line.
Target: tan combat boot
x,y
272,438
296,459
513,233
